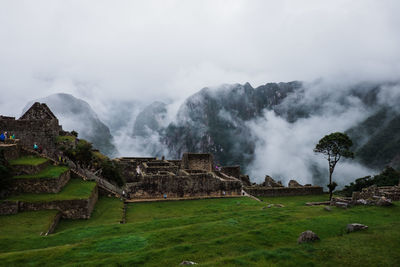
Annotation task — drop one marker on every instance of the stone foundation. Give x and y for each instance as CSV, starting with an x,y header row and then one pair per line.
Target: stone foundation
x,y
195,185
71,209
29,169
8,207
40,185
283,191
390,192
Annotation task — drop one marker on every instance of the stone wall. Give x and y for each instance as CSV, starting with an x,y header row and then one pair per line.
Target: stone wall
x,y
71,209
11,151
44,133
391,192
204,184
40,185
8,207
198,161
29,169
283,191
233,171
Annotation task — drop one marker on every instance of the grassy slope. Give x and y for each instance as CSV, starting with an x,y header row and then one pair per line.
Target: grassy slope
x,y
28,160
216,232
49,172
75,189
26,223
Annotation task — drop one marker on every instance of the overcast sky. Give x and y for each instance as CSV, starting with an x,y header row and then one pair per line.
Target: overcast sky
x,y
153,50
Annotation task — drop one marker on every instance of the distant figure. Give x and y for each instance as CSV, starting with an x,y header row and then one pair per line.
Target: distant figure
x,y
40,150
2,137
165,196
13,136
5,135
35,147
223,193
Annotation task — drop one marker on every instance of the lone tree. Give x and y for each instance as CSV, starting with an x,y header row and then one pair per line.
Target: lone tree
x,y
334,146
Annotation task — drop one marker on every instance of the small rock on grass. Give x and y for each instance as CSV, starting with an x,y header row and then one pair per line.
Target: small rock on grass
x,y
270,205
187,263
280,205
307,236
352,227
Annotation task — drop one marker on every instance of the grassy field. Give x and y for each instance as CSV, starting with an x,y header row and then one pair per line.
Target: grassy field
x,y
75,189
212,232
49,172
28,160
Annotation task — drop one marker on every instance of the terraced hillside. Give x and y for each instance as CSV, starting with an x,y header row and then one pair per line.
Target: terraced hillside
x,y
39,183
212,232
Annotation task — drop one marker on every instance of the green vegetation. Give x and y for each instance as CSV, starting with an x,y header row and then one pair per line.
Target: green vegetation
x,y
388,177
49,172
75,189
25,224
212,232
28,160
107,211
334,146
66,138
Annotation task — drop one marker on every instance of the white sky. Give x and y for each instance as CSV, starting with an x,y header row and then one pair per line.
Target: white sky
x,y
153,50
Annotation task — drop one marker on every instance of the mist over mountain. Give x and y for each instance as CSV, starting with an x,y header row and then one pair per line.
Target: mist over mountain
x,y
76,114
272,129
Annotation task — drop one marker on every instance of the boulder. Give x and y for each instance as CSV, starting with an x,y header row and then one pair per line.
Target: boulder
x,y
339,204
294,183
269,182
355,227
187,263
361,202
384,202
307,236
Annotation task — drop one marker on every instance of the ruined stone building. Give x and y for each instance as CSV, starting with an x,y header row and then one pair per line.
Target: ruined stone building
x,y
37,125
193,176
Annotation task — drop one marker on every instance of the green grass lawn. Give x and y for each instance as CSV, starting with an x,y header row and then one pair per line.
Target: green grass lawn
x,y
75,189
24,224
213,232
49,172
28,160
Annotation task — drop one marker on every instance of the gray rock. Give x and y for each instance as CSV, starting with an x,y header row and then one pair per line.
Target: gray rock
x,y
307,236
270,205
279,205
361,202
341,204
355,227
384,202
188,263
327,208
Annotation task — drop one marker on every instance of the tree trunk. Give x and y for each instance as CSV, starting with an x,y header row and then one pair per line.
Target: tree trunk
x,y
330,185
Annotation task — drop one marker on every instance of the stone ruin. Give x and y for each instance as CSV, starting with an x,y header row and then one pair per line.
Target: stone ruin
x,y
192,176
270,188
37,125
374,195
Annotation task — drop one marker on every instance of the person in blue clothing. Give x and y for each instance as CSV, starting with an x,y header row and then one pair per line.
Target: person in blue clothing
x,y
2,137
35,147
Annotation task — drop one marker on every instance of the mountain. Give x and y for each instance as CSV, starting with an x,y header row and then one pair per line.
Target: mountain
x,y
150,119
215,120
76,114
